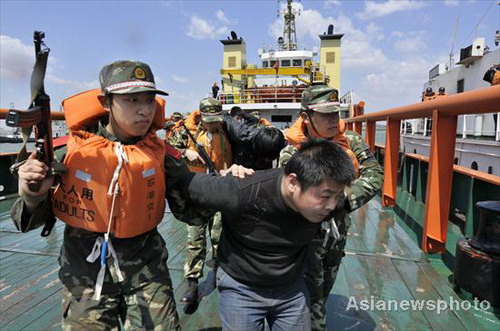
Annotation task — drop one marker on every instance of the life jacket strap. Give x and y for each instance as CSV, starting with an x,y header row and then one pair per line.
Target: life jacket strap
x,y
103,248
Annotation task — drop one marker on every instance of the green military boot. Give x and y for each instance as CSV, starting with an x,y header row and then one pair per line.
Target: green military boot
x,y
190,297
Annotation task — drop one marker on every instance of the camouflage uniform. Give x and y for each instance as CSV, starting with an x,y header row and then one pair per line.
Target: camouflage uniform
x,y
178,138
196,251
143,298
176,132
211,111
323,263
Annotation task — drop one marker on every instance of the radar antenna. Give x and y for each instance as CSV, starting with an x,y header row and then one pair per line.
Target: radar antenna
x,y
289,34
451,59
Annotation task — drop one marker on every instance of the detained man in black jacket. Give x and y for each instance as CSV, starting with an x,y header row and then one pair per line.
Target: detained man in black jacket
x,y
268,221
252,147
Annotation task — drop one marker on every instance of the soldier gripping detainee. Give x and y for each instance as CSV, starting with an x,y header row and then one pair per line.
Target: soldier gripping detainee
x,y
113,196
94,294
268,222
320,118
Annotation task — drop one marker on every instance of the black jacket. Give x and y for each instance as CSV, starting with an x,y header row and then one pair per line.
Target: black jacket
x,y
241,139
263,241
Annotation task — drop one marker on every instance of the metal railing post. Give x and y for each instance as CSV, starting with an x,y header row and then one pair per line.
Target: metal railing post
x,y
439,180
370,134
497,134
391,162
358,110
464,127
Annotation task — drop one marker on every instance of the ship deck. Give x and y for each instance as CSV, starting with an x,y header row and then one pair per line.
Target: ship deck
x,y
383,262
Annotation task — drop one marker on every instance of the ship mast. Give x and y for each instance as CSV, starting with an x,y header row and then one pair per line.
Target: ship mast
x,y
290,42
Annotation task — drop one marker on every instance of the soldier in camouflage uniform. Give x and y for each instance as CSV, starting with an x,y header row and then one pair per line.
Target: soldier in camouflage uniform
x,y
319,118
176,133
212,137
136,287
262,123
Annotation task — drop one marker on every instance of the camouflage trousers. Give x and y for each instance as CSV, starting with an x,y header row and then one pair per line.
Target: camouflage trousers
x,y
322,266
143,300
196,250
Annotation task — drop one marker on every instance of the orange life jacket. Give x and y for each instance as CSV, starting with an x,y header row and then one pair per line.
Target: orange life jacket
x,y
84,109
264,122
81,199
192,120
429,97
218,148
496,78
296,135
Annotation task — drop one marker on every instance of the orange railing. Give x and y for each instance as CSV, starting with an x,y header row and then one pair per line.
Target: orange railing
x,y
444,113
55,115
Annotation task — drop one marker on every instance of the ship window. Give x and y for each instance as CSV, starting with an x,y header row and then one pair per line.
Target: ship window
x,y
265,64
455,161
490,170
272,63
460,86
231,62
285,63
297,63
281,118
330,57
474,166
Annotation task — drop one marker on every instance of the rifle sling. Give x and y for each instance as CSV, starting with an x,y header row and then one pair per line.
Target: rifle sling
x,y
23,154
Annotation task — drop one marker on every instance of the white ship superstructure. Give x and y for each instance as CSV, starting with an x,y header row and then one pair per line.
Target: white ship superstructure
x,y
478,136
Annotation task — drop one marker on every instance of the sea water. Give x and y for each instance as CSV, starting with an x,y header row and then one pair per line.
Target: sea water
x,y
14,147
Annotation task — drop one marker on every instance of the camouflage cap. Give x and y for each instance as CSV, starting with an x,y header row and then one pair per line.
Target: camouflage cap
x,y
255,113
320,98
176,114
124,77
211,110
169,124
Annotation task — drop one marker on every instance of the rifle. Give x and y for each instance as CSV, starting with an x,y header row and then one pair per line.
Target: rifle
x,y
37,116
203,153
